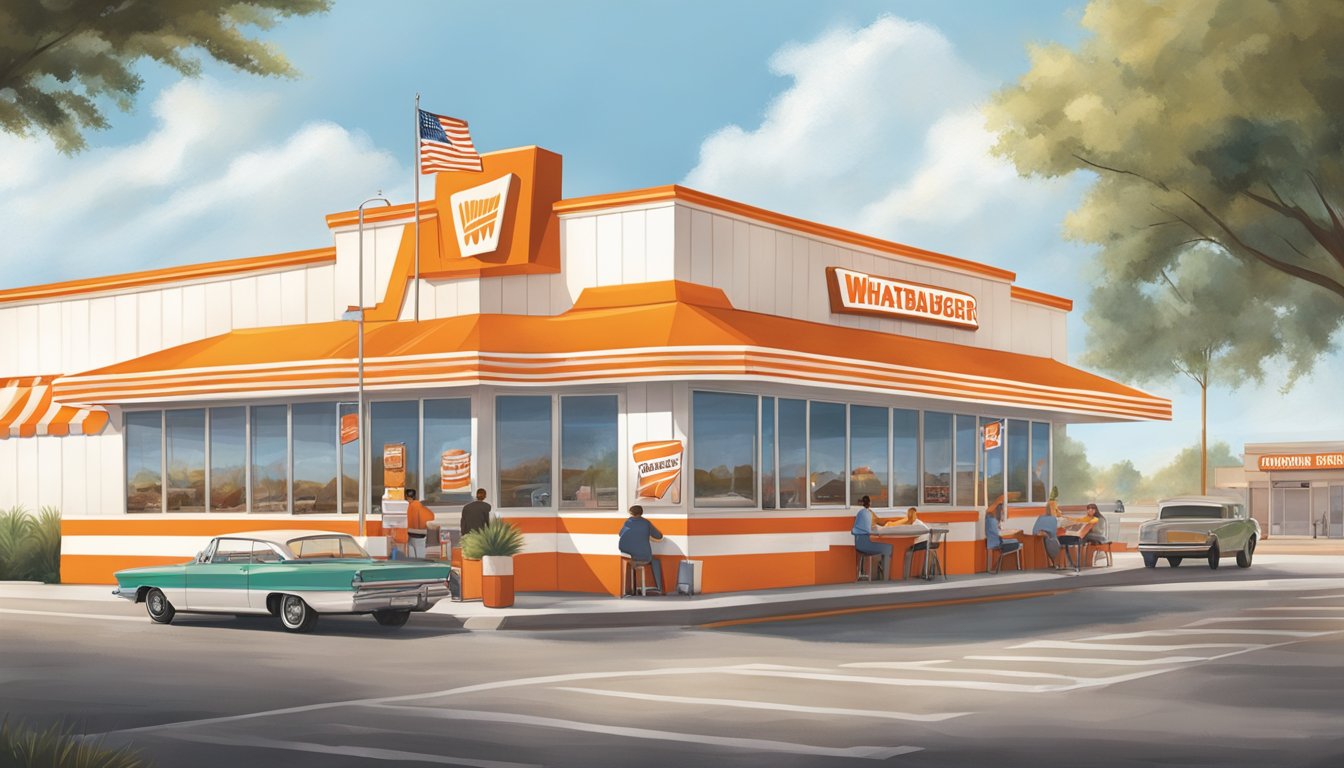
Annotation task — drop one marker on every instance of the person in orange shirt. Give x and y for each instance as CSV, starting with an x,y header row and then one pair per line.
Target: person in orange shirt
x,y
417,524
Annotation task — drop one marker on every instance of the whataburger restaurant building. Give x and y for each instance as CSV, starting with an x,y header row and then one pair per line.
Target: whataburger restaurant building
x,y
744,375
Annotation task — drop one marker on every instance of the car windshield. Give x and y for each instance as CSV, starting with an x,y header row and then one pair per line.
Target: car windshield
x,y
1188,511
315,547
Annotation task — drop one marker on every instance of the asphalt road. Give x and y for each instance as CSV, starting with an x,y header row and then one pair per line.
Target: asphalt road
x,y
1165,667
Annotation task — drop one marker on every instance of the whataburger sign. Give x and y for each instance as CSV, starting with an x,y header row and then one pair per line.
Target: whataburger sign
x,y
858,293
1271,462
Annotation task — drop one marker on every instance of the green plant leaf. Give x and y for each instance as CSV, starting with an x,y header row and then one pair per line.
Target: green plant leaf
x,y
498,538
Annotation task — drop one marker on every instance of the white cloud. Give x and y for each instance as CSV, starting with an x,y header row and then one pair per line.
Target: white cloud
x,y
207,183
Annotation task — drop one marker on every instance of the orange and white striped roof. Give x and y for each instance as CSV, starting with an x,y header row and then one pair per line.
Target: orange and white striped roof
x,y
27,409
663,331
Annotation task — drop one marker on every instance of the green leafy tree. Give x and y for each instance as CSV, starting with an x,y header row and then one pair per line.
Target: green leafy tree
x,y
1212,127
1183,472
60,58
1071,471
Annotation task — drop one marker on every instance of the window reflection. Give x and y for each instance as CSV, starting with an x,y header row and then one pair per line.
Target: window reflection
x,y
724,433
993,466
966,447
588,446
937,458
270,458
315,457
523,449
448,439
350,466
144,461
768,453
905,457
792,454
186,460
396,421
868,454
826,456
1040,460
228,458
1019,459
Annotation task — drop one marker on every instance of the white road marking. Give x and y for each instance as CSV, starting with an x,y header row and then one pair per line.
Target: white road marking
x,y
767,705
1186,632
973,685
1320,597
371,753
1230,619
1301,608
962,670
62,615
757,745
1144,647
1087,660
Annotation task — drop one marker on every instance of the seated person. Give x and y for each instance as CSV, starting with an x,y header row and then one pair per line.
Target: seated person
x,y
634,541
1069,541
1047,525
864,521
993,540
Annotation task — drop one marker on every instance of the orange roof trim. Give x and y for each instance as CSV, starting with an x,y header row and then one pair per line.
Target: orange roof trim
x,y
170,275
28,410
1044,299
695,197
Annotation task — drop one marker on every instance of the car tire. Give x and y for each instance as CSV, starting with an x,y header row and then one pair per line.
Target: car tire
x,y
1149,560
159,609
296,615
1245,555
391,618
1174,561
1214,555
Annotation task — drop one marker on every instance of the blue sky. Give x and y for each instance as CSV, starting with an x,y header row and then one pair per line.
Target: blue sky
x,y
860,114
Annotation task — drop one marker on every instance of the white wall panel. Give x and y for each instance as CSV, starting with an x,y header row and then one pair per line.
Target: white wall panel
x,y
681,250
321,294
93,473
149,320
636,422
721,275
1059,346
25,476
513,294
580,254
73,471
469,296
702,247
75,333
609,242
445,297
386,243
218,308
801,277
9,351
634,247
172,318
818,299
102,332
783,269
9,473
492,296
113,474
48,338
193,312
658,406
761,285
270,295
244,293
538,294
293,297
661,230
124,326
739,289
27,322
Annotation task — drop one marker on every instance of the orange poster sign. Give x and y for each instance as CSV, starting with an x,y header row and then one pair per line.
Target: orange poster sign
x,y
993,435
394,465
349,428
455,470
659,465
1276,462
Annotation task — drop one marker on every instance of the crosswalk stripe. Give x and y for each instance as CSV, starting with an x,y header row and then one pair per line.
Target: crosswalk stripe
x,y
1320,597
767,705
1230,619
1136,647
756,745
926,668
1186,632
1301,608
352,750
1086,660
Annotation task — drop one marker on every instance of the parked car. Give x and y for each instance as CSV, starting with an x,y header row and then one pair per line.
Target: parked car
x,y
295,575
1207,527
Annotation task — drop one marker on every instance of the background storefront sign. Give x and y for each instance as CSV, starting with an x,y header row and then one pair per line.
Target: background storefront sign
x,y
859,293
658,464
1273,462
478,216
349,428
394,465
993,435
454,470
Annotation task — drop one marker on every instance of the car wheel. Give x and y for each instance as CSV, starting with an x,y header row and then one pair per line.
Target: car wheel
x,y
1149,560
160,610
391,618
1245,555
1174,561
296,615
1214,554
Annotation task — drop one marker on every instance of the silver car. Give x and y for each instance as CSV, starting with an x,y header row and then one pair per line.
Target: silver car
x,y
1207,527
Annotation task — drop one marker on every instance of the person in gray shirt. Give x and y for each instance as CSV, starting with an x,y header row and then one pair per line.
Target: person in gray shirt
x,y
475,514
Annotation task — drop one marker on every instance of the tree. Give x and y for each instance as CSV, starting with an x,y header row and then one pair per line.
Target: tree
x,y
1212,126
1071,472
1179,476
60,58
1204,319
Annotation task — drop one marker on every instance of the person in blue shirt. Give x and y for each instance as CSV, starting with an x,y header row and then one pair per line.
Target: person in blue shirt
x,y
864,521
634,541
992,538
1047,525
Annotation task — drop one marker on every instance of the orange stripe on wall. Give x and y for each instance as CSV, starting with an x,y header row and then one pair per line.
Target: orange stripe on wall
x,y
98,569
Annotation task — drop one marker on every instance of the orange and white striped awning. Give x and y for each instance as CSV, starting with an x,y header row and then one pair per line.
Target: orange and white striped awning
x,y
28,410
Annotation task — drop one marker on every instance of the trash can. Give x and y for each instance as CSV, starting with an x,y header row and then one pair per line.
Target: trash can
x,y
688,577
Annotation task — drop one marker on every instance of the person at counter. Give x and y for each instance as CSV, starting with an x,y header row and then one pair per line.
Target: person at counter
x,y
634,541
864,521
1070,542
475,514
417,524
993,539
1047,526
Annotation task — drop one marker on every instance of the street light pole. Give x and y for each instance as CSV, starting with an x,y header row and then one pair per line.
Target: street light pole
x,y
363,444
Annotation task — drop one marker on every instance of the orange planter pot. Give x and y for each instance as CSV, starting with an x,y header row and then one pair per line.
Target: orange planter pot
x,y
497,581
471,579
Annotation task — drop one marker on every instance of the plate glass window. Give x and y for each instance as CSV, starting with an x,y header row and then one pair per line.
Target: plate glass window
x,y
228,459
904,458
588,447
768,478
966,448
1040,461
792,431
144,461
447,428
724,436
394,421
826,456
1019,459
315,441
523,450
868,446
186,460
937,458
270,458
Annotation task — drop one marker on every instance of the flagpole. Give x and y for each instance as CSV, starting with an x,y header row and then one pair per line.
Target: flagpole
x,y
417,207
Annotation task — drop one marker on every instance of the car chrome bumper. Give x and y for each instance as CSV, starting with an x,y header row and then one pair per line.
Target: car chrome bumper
x,y
399,597
1175,549
128,595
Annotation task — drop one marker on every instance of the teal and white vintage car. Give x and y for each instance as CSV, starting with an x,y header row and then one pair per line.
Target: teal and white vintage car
x,y
1206,527
295,575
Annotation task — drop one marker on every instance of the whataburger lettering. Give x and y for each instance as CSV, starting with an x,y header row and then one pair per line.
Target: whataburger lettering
x,y
1270,462
863,294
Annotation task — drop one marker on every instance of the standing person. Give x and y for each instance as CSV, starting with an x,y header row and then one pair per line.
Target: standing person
x,y
417,524
864,520
475,514
634,541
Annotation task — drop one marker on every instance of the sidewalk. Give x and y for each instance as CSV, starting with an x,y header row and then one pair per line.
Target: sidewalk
x,y
549,611
1300,545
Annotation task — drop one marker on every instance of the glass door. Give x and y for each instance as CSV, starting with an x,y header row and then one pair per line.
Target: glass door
x,y
1336,529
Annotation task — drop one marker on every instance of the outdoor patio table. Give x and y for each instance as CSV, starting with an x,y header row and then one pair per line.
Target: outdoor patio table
x,y
935,533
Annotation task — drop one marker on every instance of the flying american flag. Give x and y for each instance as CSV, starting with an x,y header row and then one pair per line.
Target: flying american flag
x,y
445,145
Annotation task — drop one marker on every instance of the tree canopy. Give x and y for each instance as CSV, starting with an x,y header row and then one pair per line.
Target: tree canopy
x,y
1213,127
60,58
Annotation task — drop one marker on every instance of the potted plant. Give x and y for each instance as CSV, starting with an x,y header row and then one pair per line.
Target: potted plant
x,y
494,547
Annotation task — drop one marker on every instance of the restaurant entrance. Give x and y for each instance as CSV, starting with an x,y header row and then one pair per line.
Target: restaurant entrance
x,y
1291,503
